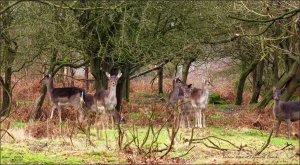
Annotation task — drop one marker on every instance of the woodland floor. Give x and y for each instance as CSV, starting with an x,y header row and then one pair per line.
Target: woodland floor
x,y
234,134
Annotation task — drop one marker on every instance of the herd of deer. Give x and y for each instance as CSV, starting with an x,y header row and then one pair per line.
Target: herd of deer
x,y
190,101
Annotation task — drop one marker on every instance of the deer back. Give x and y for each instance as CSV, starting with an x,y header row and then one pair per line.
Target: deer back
x,y
289,110
285,109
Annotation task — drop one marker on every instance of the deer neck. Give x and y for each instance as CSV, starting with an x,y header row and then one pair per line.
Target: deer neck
x,y
176,91
50,88
276,107
206,91
112,92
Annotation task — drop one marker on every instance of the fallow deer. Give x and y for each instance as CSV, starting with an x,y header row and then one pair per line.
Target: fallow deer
x,y
199,101
71,96
177,92
106,100
185,107
288,111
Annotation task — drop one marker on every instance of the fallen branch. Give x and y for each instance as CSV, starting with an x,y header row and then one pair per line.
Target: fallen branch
x,y
239,148
184,153
192,135
6,132
265,145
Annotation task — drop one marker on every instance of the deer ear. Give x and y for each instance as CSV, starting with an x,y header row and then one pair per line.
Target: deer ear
x,y
119,74
107,74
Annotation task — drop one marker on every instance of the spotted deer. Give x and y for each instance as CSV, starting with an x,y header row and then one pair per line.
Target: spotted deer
x,y
288,111
199,102
71,96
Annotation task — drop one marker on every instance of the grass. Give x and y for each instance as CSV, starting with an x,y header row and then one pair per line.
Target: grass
x,y
134,116
18,124
60,150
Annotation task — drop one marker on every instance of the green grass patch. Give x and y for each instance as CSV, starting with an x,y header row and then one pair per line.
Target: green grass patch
x,y
24,103
134,116
59,150
216,99
17,124
223,107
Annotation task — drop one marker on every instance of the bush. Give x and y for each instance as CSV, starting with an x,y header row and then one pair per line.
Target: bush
x,y
216,99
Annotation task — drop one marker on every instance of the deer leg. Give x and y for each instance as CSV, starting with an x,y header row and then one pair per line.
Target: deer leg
x,y
277,127
188,120
97,124
200,118
203,120
288,121
181,121
196,119
60,121
52,111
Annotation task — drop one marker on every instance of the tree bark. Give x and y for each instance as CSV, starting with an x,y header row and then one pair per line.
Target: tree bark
x,y
98,74
38,103
242,80
86,77
284,79
119,93
160,73
258,82
292,86
186,66
127,88
275,68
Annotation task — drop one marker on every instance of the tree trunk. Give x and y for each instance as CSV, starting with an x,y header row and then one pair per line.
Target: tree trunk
x,y
258,82
8,53
292,86
40,100
127,88
242,80
160,73
295,81
86,77
119,93
186,66
39,103
275,68
287,77
72,74
98,74
6,93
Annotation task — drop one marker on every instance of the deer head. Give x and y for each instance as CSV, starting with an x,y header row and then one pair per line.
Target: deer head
x,y
276,93
46,80
187,90
112,80
177,83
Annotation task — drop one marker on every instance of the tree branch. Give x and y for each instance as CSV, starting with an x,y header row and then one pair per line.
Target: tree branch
x,y
10,6
150,70
239,36
283,16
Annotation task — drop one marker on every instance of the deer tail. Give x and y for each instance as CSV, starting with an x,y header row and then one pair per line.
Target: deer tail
x,y
82,97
